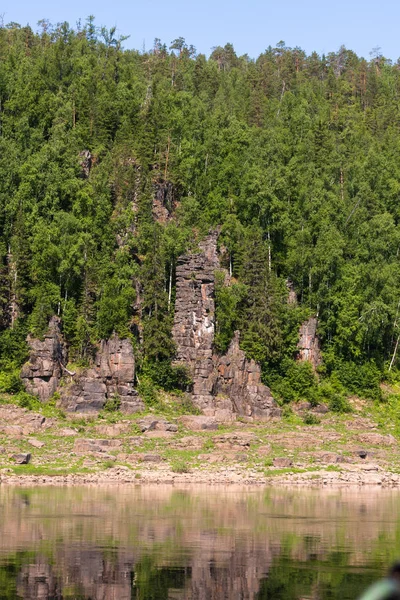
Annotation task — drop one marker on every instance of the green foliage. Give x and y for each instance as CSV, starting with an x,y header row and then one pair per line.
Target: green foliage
x,y
112,404
361,379
166,376
310,419
109,173
227,312
180,466
13,347
296,381
148,392
10,382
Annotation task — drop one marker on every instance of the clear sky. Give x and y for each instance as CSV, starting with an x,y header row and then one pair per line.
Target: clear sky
x,y
250,25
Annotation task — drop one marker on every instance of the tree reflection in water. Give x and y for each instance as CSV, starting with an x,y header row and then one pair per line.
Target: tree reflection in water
x,y
204,543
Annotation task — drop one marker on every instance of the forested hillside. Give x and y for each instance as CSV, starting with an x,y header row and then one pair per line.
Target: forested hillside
x,y
115,162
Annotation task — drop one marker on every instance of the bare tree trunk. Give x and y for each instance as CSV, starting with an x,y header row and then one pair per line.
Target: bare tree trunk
x,y
167,158
394,353
269,251
170,287
341,184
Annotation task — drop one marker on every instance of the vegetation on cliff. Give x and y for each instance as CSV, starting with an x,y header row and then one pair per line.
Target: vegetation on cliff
x,y
113,161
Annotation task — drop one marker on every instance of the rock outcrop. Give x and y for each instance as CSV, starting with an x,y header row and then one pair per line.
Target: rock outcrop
x,y
194,324
239,380
164,200
112,376
223,386
41,375
309,346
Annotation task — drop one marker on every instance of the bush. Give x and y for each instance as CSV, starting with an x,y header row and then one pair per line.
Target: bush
x,y
166,376
297,381
10,382
112,404
148,392
361,379
339,404
310,419
180,466
25,400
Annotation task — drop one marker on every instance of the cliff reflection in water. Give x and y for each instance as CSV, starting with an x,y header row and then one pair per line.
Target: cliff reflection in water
x,y
162,542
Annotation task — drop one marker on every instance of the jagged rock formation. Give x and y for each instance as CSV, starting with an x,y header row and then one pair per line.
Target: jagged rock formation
x,y
112,376
222,386
85,159
194,323
164,200
41,375
309,346
240,380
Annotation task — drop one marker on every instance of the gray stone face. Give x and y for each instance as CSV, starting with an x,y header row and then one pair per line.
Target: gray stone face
x,y
239,380
309,346
42,374
194,322
223,386
113,374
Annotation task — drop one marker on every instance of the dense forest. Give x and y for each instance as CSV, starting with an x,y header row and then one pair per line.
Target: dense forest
x,y
294,158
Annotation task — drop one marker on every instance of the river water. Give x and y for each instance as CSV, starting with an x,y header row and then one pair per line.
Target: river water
x,y
151,543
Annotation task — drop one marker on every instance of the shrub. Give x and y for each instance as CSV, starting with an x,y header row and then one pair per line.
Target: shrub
x,y
339,403
297,381
112,404
10,382
25,400
310,419
361,379
180,466
148,392
167,376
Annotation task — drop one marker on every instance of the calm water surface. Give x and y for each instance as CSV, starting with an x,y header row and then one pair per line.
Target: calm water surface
x,y
161,542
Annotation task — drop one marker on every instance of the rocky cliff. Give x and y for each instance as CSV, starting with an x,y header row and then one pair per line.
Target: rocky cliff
x,y
194,323
239,380
222,385
112,376
41,375
309,346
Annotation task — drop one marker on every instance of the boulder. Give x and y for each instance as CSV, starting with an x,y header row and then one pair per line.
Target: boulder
x,y
84,446
21,459
239,380
36,443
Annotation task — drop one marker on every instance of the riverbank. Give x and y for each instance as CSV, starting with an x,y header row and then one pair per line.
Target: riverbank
x,y
311,447
359,476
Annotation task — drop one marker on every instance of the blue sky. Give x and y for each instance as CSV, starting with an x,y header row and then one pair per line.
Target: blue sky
x,y
250,25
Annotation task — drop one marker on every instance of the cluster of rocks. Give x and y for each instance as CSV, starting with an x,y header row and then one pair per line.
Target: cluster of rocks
x,y
111,377
223,386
